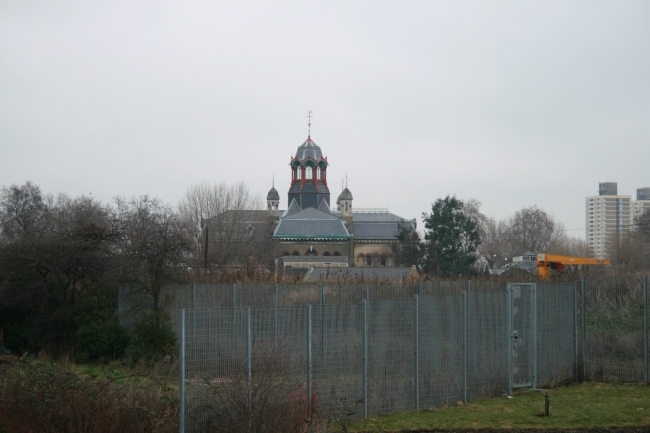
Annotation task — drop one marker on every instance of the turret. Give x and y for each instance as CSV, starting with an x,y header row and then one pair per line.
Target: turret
x,y
344,203
273,201
309,176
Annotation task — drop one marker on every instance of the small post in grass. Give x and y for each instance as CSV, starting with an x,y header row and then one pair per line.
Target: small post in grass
x,y
546,404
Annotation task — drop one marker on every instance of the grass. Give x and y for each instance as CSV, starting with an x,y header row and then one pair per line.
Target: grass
x,y
587,405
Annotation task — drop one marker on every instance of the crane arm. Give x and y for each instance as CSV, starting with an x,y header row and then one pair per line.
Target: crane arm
x,y
545,262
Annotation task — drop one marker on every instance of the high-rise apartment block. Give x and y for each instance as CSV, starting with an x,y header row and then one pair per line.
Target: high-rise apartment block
x,y
610,215
641,204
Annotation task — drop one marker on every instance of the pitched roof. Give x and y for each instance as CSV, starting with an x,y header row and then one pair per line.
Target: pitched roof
x,y
324,207
307,149
311,223
293,208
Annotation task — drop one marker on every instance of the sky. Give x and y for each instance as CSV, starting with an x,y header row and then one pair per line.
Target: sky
x,y
512,103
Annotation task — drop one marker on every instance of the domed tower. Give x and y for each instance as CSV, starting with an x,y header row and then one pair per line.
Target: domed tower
x,y
309,176
344,202
273,201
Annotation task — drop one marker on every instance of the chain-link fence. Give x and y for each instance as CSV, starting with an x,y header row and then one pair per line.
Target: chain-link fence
x,y
366,349
381,355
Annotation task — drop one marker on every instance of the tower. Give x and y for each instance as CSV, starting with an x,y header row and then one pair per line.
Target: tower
x,y
273,201
309,176
344,203
607,219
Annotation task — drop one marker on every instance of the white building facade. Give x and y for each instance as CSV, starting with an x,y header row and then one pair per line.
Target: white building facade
x,y
608,217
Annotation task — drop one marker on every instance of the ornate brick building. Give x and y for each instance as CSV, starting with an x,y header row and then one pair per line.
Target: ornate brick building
x,y
311,234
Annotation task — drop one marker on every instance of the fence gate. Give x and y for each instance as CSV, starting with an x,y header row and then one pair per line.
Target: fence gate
x,y
522,335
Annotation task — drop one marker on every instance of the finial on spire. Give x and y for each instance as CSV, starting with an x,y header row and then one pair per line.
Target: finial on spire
x,y
346,180
309,114
273,181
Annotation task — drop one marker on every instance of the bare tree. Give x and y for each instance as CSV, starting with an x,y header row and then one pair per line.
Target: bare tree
x,y
152,246
22,209
533,229
493,249
229,220
570,246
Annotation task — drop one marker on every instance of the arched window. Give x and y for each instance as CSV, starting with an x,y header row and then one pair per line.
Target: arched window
x,y
286,253
382,260
298,173
336,253
369,260
308,172
311,252
295,253
318,173
327,253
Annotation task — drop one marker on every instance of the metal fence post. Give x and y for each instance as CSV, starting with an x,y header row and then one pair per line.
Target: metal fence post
x,y
277,306
510,370
417,287
322,330
249,376
469,326
181,385
584,329
533,314
575,333
368,292
645,330
366,344
234,320
464,330
416,350
309,361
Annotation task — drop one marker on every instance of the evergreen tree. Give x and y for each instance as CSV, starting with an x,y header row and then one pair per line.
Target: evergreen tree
x,y
452,238
408,249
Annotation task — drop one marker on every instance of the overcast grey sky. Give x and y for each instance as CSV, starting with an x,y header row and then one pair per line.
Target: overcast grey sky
x,y
512,103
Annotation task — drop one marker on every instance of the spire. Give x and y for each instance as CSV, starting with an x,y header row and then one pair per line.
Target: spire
x,y
309,114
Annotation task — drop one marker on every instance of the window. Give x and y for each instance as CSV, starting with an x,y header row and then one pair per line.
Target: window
x,y
311,252
369,260
298,173
318,173
286,253
382,260
336,253
308,172
295,253
327,253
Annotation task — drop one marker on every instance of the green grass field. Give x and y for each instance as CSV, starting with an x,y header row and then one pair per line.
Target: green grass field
x,y
586,405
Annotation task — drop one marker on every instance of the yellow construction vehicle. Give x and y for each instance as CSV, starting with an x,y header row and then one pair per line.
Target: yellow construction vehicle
x,y
546,262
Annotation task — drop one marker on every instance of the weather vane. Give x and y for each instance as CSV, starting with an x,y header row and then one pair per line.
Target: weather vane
x,y
309,114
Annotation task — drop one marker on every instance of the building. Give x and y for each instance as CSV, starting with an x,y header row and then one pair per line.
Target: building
x,y
608,217
312,234
641,204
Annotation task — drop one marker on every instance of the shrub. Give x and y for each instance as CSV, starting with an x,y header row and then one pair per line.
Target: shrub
x,y
273,400
152,337
39,396
103,341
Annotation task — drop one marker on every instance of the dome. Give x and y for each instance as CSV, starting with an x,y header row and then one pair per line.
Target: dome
x,y
273,195
309,149
345,195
